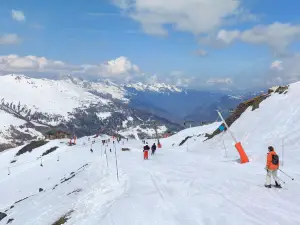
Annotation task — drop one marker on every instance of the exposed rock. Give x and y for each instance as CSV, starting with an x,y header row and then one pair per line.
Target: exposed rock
x,y
63,219
41,189
22,200
184,140
279,89
31,146
2,216
50,150
4,146
254,102
10,220
75,191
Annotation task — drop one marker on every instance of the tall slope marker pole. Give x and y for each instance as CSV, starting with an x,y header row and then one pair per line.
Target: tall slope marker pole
x,y
243,156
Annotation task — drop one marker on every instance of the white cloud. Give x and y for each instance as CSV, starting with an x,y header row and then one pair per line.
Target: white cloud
x,y
178,78
228,36
15,63
277,65
120,68
18,15
214,81
284,71
196,16
277,35
9,39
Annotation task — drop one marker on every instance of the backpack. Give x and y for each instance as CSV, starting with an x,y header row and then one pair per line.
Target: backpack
x,y
275,159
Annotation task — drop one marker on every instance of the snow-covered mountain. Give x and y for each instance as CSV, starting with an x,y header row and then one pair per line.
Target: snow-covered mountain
x,y
168,101
197,182
31,106
122,92
158,87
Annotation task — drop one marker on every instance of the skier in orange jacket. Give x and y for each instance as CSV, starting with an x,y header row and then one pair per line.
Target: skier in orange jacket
x,y
272,166
146,150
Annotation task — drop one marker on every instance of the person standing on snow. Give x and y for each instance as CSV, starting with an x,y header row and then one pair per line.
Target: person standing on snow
x,y
146,150
272,167
153,149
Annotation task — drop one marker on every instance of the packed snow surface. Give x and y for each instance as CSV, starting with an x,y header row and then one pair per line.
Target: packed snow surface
x,y
197,183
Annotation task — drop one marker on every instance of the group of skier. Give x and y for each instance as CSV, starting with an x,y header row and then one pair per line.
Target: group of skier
x,y
146,150
272,164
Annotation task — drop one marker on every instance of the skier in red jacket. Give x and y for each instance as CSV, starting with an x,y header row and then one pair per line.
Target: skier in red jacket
x,y
146,150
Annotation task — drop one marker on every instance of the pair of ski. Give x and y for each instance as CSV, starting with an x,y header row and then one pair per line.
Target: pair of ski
x,y
273,187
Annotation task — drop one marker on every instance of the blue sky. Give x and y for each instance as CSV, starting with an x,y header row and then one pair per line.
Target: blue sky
x,y
161,39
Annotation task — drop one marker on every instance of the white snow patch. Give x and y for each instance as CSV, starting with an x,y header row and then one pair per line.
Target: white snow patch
x,y
7,120
124,123
38,124
103,115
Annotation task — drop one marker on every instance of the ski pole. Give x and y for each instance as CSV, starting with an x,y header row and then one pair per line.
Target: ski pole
x,y
117,168
287,174
281,180
106,158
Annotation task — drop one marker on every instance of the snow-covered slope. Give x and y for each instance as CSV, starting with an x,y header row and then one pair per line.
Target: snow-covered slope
x,y
44,95
195,183
40,101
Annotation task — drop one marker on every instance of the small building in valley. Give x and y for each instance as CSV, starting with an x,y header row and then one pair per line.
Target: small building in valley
x,y
57,134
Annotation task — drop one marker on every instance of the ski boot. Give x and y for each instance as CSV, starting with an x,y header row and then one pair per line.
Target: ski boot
x,y
277,185
268,186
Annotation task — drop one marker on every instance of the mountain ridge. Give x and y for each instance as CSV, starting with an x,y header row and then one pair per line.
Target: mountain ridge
x,y
36,105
